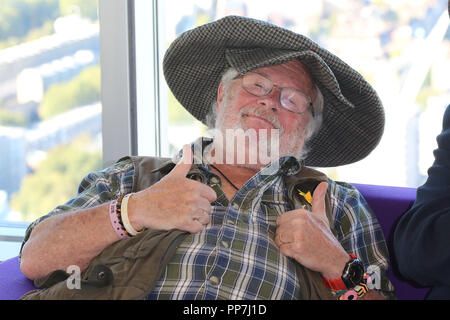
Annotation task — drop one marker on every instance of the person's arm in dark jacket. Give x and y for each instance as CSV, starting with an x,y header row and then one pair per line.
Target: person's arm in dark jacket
x,y
422,236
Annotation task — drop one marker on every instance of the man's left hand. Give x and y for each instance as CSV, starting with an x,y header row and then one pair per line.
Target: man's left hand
x,y
306,236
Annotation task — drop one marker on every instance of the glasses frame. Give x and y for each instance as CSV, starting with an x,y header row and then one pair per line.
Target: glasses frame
x,y
310,105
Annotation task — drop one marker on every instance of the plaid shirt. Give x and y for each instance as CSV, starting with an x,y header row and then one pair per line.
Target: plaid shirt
x,y
235,257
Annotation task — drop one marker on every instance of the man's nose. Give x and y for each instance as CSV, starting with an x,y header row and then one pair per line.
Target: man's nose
x,y
272,100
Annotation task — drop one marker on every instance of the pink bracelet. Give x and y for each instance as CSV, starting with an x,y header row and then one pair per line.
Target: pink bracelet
x,y
357,292
115,221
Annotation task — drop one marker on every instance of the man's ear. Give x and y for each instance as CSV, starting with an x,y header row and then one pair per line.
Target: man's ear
x,y
220,94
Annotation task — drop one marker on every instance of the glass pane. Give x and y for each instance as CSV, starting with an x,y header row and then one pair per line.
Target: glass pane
x,y
50,110
401,47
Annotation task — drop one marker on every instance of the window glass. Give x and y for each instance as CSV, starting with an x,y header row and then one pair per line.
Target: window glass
x,y
50,110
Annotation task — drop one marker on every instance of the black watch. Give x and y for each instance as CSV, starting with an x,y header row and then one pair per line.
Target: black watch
x,y
353,273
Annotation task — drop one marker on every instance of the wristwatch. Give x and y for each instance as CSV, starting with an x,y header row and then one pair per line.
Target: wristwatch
x,y
352,275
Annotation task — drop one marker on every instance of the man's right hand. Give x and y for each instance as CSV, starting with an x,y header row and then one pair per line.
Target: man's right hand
x,y
174,202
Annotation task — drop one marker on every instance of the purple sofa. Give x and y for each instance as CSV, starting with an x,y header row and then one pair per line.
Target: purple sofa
x,y
388,203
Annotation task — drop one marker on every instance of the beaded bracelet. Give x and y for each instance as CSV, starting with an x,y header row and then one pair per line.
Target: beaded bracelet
x,y
356,292
116,221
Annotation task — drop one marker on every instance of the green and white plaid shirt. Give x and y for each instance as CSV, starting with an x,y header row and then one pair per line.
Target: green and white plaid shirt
x,y
235,257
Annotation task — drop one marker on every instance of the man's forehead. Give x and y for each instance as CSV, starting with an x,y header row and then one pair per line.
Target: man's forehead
x,y
295,64
291,69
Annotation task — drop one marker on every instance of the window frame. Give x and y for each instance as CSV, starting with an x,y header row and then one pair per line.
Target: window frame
x,y
118,91
11,232
118,79
151,88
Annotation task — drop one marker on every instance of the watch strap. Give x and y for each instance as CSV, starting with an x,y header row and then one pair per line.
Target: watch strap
x,y
337,284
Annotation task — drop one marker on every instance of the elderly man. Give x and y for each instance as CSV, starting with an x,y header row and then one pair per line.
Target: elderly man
x,y
211,226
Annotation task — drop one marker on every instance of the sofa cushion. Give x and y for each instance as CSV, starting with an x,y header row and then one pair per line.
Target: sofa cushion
x,y
13,284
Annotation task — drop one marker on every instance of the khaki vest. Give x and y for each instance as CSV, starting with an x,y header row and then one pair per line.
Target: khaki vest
x,y
129,269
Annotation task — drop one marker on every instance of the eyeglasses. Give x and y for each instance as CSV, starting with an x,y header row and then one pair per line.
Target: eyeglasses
x,y
290,99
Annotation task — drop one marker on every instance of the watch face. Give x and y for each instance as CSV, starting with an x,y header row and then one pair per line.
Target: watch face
x,y
353,273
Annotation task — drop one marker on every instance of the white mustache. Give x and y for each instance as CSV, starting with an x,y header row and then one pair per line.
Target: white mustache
x,y
263,113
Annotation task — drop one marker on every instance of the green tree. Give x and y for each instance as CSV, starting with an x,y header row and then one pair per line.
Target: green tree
x,y
56,179
14,119
18,17
81,90
87,8
26,20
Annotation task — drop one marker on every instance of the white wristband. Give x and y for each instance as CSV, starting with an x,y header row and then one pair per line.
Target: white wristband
x,y
124,215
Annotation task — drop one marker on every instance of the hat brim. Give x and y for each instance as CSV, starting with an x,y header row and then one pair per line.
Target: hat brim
x,y
353,116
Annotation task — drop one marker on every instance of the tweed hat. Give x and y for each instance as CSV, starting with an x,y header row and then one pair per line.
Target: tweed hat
x,y
353,115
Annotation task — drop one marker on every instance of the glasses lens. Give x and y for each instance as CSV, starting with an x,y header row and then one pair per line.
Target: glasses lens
x,y
294,100
256,84
290,99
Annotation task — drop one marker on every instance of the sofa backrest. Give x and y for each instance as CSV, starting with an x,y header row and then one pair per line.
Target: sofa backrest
x,y
389,204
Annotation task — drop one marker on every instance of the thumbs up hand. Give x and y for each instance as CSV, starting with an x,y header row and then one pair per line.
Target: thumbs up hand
x,y
174,202
306,237
183,166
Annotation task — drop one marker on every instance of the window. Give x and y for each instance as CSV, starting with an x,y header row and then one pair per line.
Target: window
x,y
401,47
50,109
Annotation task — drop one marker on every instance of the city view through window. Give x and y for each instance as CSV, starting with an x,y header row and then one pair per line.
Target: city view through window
x,y
50,110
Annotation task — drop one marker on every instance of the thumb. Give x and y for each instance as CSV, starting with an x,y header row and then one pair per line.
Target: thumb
x,y
184,165
318,200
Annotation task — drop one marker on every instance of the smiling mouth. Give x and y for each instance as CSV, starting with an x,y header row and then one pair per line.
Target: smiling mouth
x,y
259,118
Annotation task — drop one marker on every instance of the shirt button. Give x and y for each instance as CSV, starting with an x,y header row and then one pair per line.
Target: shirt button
x,y
214,281
230,222
215,180
235,205
225,244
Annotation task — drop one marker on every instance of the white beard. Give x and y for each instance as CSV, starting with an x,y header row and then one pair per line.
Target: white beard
x,y
270,144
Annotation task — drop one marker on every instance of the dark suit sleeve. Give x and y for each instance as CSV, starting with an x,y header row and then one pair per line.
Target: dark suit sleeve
x,y
422,236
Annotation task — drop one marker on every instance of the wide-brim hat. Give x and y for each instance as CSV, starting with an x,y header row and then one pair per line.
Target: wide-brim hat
x,y
353,116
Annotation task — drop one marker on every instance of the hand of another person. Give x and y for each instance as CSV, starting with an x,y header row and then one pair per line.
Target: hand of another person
x,y
306,236
174,202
